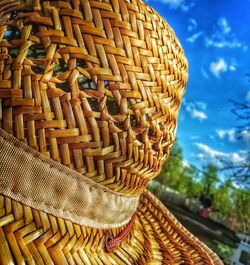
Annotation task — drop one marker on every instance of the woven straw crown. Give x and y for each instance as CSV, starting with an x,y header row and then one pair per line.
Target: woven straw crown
x,y
94,85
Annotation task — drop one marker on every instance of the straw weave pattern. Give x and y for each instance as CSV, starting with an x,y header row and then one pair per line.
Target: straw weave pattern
x,y
94,85
39,182
28,236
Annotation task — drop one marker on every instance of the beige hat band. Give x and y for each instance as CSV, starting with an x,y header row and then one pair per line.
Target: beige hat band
x,y
41,183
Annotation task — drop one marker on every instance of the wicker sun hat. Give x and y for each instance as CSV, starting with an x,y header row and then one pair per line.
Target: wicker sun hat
x,y
89,99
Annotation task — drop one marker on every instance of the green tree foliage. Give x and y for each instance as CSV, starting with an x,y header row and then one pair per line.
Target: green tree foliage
x,y
172,168
222,199
226,199
209,179
241,209
175,174
188,182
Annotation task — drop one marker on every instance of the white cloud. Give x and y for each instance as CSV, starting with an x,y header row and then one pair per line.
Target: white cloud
x,y
210,155
173,3
236,158
229,134
222,43
232,68
199,115
194,37
192,24
187,7
221,66
248,96
223,25
245,134
223,36
196,109
218,67
208,151
184,5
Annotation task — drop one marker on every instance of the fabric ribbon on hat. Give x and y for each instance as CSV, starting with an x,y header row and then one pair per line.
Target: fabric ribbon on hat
x,y
39,182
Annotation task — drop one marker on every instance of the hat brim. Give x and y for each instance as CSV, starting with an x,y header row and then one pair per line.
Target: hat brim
x,y
29,236
173,242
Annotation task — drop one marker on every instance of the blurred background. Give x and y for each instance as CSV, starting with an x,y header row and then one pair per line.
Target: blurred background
x,y
206,180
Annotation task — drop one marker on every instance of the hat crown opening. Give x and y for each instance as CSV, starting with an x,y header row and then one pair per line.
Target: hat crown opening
x,y
93,85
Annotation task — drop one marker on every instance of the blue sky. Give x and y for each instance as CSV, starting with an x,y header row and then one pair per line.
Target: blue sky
x,y
215,36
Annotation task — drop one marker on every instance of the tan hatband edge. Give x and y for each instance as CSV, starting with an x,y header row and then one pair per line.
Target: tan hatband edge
x,y
41,183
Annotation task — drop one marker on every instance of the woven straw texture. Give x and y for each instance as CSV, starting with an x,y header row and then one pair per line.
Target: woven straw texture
x,y
93,85
96,86
28,236
41,183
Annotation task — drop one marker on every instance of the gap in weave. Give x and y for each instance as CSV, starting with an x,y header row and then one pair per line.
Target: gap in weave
x,y
12,15
94,104
83,81
106,83
38,68
13,51
161,126
37,54
60,67
139,137
34,29
86,83
64,86
129,103
151,132
81,63
133,122
119,125
48,144
12,33
112,106
154,147
36,51
147,117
